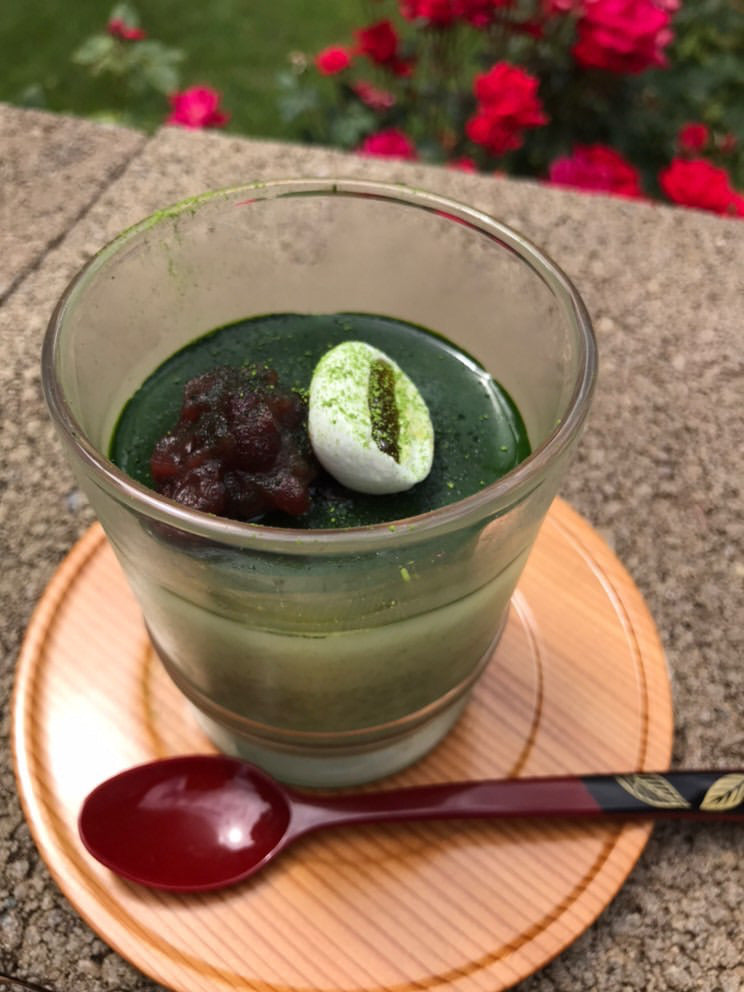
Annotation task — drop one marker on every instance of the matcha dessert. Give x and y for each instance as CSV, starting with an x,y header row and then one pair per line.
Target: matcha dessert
x,y
319,421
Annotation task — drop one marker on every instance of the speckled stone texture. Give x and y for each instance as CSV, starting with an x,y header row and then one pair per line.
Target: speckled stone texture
x,y
51,169
659,473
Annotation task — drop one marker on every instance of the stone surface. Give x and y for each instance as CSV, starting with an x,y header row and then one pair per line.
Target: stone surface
x,y
659,472
51,169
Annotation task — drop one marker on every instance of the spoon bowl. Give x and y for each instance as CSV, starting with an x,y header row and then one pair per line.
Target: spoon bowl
x,y
187,823
201,822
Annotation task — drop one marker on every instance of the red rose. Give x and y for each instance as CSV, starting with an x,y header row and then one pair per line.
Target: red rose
x,y
495,136
379,42
510,93
507,104
597,168
624,36
196,107
372,96
698,183
332,60
118,28
390,143
693,137
441,12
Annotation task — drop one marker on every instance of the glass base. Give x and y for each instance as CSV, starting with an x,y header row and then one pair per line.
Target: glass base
x,y
338,767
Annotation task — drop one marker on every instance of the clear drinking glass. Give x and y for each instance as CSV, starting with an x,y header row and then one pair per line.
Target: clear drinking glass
x,y
327,657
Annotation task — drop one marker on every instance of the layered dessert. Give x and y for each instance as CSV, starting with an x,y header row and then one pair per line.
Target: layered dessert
x,y
300,661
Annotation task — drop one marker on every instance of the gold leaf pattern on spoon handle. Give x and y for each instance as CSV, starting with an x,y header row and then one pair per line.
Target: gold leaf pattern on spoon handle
x,y
727,792
653,790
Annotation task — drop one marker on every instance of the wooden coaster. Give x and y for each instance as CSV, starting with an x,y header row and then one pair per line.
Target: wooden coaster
x,y
578,683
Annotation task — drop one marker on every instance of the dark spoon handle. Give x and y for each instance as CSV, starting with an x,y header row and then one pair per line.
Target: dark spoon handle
x,y
703,795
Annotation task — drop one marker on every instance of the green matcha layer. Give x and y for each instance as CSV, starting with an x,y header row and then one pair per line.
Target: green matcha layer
x,y
479,433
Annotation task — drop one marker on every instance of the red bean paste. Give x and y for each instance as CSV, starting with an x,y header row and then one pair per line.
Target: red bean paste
x,y
240,448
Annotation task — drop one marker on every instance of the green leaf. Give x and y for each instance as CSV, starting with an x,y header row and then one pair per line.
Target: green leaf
x,y
94,49
152,66
348,128
292,105
156,51
161,76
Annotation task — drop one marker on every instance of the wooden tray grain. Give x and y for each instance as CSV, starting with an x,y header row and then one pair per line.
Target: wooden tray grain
x,y
578,683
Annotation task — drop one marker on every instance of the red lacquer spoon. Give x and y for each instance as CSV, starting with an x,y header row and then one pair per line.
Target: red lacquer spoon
x,y
202,822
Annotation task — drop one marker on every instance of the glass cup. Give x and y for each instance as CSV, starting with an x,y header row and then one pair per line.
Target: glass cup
x,y
328,657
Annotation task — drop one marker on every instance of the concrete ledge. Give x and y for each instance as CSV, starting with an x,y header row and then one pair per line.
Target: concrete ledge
x,y
50,169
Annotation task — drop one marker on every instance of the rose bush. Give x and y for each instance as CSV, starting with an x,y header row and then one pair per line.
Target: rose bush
x,y
637,98
145,69
149,73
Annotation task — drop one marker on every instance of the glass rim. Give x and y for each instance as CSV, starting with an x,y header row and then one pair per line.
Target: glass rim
x,y
490,501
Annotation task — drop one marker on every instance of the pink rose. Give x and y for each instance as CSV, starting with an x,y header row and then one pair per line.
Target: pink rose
x,y
625,36
390,143
698,183
118,28
598,169
196,107
372,96
332,60
693,137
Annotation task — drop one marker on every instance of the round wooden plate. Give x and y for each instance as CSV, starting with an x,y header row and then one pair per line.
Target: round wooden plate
x,y
578,683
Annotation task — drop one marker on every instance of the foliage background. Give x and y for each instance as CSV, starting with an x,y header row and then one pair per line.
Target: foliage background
x,y
242,48
237,46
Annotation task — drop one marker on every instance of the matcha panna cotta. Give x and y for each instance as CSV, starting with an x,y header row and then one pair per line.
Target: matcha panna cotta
x,y
371,654
368,423
337,645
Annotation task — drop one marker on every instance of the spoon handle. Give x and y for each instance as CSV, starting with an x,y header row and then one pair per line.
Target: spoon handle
x,y
703,795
